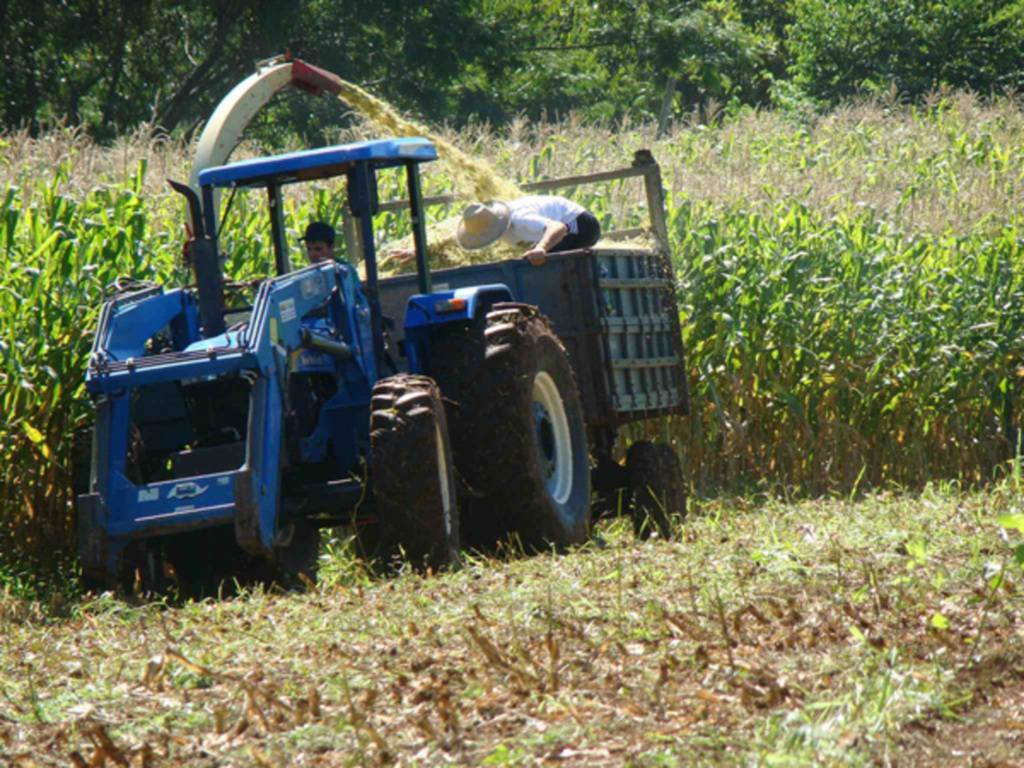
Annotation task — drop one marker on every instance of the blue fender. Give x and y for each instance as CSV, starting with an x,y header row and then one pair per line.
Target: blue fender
x,y
425,312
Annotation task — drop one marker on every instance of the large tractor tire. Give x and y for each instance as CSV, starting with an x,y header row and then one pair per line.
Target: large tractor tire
x,y
657,488
519,432
413,474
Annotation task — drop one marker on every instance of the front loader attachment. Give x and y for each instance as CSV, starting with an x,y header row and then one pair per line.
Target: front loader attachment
x,y
196,432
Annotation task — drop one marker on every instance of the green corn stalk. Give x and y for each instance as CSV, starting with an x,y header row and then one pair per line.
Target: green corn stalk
x,y
850,286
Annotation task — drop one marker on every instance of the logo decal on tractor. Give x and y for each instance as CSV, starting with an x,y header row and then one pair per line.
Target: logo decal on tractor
x,y
312,285
287,310
187,490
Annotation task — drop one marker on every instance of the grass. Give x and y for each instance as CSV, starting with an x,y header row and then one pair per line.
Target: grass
x,y
816,633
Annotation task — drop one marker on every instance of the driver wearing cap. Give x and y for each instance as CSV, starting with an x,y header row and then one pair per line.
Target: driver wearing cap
x,y
319,240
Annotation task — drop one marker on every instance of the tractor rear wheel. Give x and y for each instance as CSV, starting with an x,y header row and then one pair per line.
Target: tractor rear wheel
x,y
657,488
413,474
521,442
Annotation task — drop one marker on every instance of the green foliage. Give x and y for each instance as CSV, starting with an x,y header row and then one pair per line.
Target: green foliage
x,y
61,252
705,46
837,344
851,290
841,48
110,65
614,58
1014,522
813,327
422,57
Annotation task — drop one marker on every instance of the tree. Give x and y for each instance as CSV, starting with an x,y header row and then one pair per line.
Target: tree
x,y
617,57
112,64
842,47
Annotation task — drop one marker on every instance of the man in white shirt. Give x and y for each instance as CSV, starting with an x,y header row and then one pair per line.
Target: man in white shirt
x,y
541,224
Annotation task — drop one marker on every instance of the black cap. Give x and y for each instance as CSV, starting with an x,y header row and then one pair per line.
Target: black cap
x,y
317,230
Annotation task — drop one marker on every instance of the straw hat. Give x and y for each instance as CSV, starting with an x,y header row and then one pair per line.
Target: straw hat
x,y
482,224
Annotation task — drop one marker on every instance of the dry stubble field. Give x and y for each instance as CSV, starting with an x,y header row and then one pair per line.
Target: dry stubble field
x,y
883,632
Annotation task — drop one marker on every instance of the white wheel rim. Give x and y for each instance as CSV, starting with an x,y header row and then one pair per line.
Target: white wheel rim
x,y
554,440
442,476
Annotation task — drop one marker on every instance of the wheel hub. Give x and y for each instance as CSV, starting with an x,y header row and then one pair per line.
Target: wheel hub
x,y
554,441
443,462
545,434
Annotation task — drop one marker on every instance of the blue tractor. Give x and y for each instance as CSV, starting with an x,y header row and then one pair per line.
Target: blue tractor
x,y
426,412
227,435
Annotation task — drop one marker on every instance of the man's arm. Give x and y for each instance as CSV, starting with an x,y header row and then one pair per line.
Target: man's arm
x,y
554,233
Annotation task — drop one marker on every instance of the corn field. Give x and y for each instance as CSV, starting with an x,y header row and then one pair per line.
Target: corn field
x,y
851,287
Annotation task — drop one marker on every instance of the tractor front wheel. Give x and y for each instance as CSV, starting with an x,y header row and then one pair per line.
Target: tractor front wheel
x,y
413,475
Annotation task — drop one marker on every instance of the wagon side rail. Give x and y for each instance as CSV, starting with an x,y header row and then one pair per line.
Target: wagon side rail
x,y
644,166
